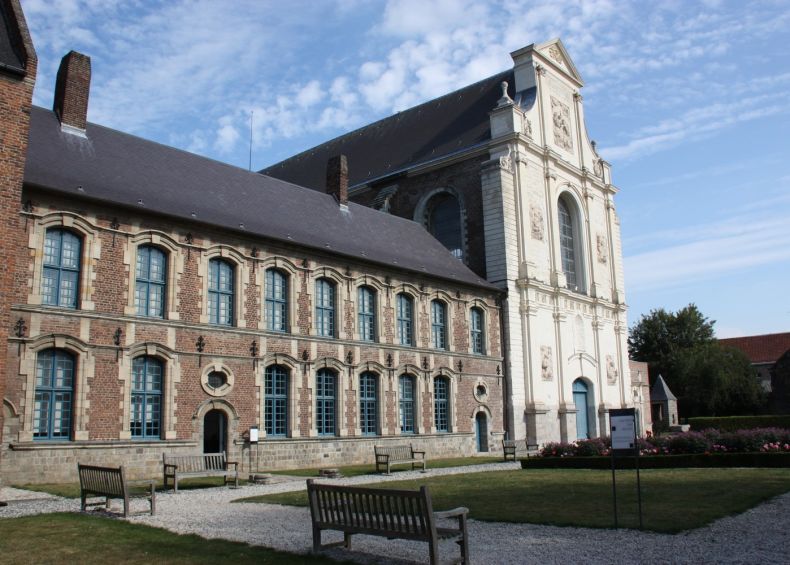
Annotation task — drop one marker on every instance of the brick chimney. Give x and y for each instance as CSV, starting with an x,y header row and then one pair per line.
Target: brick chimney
x,y
71,91
337,178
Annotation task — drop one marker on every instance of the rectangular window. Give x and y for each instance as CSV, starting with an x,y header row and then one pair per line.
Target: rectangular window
x,y
220,293
60,276
406,405
439,324
54,395
476,331
276,401
367,314
150,280
146,413
405,320
368,400
440,400
276,301
325,403
325,308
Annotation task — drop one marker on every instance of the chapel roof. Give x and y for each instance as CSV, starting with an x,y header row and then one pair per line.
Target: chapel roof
x,y
660,391
121,169
767,348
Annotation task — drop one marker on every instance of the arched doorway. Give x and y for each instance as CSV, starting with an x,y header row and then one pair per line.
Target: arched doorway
x,y
581,399
215,425
481,431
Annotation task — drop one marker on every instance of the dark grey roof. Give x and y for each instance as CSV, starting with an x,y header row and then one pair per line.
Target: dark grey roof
x,y
660,391
10,57
437,128
121,169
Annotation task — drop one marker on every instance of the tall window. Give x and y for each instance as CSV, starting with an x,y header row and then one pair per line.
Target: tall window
x,y
150,281
325,308
220,292
61,276
368,404
476,331
325,402
54,395
439,324
275,407
146,416
367,314
276,301
444,222
567,244
406,404
441,398
405,308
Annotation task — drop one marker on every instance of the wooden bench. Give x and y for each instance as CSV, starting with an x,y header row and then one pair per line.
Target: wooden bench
x,y
510,447
110,482
386,456
205,465
404,514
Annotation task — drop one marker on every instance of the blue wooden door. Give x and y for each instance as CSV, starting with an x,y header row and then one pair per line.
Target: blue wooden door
x,y
481,429
582,413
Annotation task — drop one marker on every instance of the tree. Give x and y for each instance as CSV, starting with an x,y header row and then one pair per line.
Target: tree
x,y
660,334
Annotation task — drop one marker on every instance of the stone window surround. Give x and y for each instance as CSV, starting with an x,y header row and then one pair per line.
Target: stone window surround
x,y
379,292
423,209
216,365
568,193
449,305
416,301
291,273
444,373
84,370
241,278
294,374
91,252
341,386
378,371
175,268
483,307
341,296
414,373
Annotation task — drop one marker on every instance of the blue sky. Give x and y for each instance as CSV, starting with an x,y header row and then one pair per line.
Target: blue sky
x,y
689,100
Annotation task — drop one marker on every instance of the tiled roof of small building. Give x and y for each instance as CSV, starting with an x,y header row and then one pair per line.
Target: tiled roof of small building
x,y
660,391
121,169
440,127
766,348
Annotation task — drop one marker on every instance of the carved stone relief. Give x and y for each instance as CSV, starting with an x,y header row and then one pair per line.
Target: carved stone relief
x,y
527,128
598,167
603,253
611,369
536,221
547,370
554,53
561,116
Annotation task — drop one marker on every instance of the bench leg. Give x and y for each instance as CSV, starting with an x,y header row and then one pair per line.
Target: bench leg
x,y
107,504
153,499
316,539
83,502
347,539
463,542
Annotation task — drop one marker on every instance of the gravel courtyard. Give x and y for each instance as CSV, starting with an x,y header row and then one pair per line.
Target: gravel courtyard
x,y
760,535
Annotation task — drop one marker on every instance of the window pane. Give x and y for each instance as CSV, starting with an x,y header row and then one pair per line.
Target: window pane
x,y
440,412
405,315
438,325
53,395
60,275
567,244
367,317
325,402
276,301
368,404
146,402
444,223
406,404
275,402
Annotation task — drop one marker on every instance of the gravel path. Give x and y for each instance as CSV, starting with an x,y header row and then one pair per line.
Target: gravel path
x,y
760,535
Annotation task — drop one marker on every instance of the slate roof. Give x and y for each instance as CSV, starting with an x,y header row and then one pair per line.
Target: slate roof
x,y
660,391
435,129
121,169
10,57
766,348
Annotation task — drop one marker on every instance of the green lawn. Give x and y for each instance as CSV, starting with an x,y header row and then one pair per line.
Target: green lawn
x,y
77,538
673,500
357,470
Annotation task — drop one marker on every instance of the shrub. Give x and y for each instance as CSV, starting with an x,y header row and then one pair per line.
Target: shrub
x,y
760,459
735,423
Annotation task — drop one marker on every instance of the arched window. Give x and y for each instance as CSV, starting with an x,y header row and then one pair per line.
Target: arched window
x,y
406,404
275,406
441,404
367,313
439,324
220,292
54,395
405,308
325,308
150,282
325,398
444,223
570,250
368,403
60,282
276,301
476,331
146,414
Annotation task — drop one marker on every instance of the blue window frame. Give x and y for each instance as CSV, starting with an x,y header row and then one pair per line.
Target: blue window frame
x,y
476,331
150,282
325,402
61,277
406,404
54,395
439,324
275,408
367,314
441,399
368,403
220,292
405,309
325,308
146,413
276,301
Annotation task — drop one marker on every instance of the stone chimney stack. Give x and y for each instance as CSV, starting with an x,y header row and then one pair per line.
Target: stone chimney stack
x,y
71,91
337,178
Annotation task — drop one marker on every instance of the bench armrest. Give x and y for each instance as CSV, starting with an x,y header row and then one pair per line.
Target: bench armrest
x,y
419,453
454,513
229,463
170,466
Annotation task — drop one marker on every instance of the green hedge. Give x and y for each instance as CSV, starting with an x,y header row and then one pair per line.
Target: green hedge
x,y
662,461
735,423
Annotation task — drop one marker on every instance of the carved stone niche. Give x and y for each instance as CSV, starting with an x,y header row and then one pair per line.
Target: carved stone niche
x,y
536,222
611,370
546,363
602,248
561,118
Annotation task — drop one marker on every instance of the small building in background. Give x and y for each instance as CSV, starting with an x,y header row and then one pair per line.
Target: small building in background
x,y
664,406
763,352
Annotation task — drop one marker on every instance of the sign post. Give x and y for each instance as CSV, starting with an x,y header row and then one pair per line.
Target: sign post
x,y
254,440
622,424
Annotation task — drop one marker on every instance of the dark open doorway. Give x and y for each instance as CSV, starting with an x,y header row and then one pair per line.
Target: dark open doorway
x,y
214,431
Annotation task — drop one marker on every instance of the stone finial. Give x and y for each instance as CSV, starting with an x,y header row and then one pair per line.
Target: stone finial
x,y
505,99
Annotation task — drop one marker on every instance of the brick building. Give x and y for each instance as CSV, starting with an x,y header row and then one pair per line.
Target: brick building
x,y
164,302
504,174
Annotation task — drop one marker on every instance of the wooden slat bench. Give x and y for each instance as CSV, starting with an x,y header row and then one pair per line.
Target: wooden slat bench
x,y
512,447
205,465
389,455
390,513
110,482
